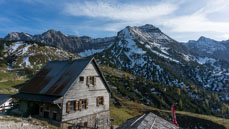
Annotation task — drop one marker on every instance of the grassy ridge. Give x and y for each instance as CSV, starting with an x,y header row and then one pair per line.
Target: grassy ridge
x,y
185,119
10,81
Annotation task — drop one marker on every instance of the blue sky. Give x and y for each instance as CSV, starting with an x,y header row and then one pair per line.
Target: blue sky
x,y
180,19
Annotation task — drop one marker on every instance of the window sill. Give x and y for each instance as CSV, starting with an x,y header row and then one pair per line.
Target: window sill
x,y
75,111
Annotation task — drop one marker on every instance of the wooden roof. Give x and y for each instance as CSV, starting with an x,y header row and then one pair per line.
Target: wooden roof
x,y
147,121
57,77
4,98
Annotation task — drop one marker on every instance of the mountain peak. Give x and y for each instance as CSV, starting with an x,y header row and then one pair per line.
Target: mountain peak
x,y
203,38
148,26
18,36
206,40
52,31
144,31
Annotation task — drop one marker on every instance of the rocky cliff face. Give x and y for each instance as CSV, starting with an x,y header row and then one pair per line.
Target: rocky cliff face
x,y
85,46
18,36
209,48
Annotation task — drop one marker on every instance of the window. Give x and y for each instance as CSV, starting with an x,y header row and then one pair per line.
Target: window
x,y
83,103
81,78
85,124
100,101
46,114
91,80
54,115
72,105
41,109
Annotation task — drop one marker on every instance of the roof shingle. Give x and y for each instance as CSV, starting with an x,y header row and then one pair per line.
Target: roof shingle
x,y
147,121
56,77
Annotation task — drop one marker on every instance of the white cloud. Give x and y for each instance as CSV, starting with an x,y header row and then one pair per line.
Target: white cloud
x,y
201,20
213,6
196,23
225,36
166,13
118,11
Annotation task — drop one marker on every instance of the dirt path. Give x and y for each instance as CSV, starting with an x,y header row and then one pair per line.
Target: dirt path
x,y
8,122
19,125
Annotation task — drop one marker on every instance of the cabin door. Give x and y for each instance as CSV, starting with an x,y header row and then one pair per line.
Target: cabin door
x,y
34,108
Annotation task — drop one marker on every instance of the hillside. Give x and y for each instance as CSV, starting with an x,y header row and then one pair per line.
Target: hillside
x,y
138,89
185,120
144,67
124,106
19,60
147,52
29,54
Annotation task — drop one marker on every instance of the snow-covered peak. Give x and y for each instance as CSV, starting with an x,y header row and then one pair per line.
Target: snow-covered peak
x,y
144,33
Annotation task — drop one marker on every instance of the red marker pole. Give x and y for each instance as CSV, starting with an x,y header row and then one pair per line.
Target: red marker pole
x,y
174,116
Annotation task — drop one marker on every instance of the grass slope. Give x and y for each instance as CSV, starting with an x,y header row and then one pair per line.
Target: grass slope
x,y
122,107
10,81
185,119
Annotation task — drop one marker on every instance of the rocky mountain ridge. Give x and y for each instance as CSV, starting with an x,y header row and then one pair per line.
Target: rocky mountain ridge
x,y
156,71
147,52
84,45
30,55
209,48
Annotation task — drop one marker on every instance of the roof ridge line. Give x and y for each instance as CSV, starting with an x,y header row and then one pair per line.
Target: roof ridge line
x,y
137,120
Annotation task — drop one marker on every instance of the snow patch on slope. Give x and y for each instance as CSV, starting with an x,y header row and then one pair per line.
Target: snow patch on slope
x,y
90,52
162,55
15,46
26,61
205,60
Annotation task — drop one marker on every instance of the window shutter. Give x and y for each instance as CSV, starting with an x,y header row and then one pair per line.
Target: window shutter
x,y
103,100
76,105
97,101
68,107
88,80
86,103
80,105
94,82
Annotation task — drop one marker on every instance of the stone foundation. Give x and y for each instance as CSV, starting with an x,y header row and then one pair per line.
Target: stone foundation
x,y
99,120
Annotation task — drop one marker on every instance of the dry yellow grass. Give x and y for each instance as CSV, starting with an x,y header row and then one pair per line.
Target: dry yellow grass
x,y
132,109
